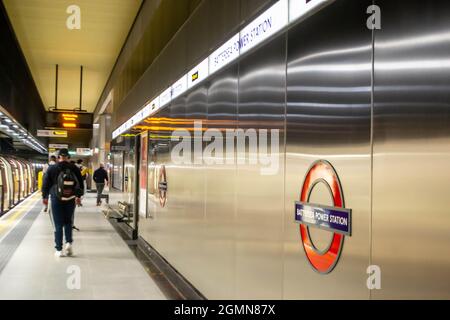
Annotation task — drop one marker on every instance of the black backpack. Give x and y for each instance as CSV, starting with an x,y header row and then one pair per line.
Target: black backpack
x,y
67,185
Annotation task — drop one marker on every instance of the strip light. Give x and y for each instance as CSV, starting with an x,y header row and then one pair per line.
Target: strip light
x,y
15,130
279,16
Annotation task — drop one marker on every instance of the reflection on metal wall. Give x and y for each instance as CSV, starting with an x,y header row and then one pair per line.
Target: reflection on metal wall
x,y
328,118
206,25
411,220
117,170
382,132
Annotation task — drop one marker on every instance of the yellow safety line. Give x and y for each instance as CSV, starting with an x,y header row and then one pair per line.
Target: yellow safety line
x,y
23,207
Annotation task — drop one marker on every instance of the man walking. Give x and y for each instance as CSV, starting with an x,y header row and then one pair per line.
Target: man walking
x,y
100,177
51,162
63,183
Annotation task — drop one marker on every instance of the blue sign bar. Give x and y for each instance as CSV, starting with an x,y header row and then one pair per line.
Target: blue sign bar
x,y
338,220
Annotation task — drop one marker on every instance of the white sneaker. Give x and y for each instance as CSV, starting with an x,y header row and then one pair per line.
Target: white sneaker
x,y
59,254
69,250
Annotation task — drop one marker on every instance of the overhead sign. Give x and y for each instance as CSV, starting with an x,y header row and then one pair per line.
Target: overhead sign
x,y
165,97
154,105
84,152
179,87
58,146
52,133
266,25
224,55
335,219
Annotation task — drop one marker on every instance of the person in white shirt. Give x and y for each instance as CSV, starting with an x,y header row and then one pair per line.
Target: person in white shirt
x,y
52,161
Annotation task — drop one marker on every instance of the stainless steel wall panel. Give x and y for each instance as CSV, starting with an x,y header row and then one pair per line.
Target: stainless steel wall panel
x,y
220,205
198,34
168,68
249,8
224,20
329,118
411,220
259,218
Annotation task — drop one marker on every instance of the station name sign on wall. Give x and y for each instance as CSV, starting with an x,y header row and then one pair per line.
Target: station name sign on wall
x,y
328,218
262,28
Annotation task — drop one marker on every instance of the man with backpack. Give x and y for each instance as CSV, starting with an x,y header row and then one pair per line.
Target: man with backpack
x,y
64,184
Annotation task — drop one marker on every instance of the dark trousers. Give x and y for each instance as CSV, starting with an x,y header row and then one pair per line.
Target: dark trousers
x,y
62,214
100,187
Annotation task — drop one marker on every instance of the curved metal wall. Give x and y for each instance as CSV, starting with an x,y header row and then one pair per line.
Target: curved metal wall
x,y
411,221
373,104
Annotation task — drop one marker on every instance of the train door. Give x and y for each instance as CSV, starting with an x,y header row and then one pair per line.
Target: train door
x,y
15,181
29,178
22,179
2,192
7,184
26,178
33,179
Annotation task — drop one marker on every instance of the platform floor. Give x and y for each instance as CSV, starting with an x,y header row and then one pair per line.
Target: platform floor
x,y
103,265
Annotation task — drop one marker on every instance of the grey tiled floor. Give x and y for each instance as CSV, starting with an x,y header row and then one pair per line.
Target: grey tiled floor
x,y
108,269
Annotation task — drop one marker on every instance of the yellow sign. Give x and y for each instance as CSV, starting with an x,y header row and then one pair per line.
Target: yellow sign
x,y
52,133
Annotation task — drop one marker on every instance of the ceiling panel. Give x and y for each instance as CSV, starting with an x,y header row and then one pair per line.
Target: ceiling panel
x,y
40,26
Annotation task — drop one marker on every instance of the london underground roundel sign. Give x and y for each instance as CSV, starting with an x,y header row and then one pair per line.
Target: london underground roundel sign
x,y
334,219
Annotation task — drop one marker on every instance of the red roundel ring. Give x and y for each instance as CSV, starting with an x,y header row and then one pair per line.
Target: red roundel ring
x,y
323,262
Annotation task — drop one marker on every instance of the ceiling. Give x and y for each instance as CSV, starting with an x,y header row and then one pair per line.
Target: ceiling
x,y
40,26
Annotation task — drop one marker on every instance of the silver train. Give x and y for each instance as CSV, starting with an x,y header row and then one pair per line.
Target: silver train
x,y
363,119
17,181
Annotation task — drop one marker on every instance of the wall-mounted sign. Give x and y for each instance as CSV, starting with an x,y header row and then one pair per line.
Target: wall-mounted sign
x,y
84,152
52,133
224,55
179,87
327,218
155,105
165,97
263,27
335,219
267,24
58,146
198,74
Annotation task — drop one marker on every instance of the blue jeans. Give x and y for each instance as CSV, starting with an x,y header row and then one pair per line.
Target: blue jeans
x,y
62,214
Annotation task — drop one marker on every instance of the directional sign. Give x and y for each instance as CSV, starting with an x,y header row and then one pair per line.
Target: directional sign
x,y
84,152
58,146
52,133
